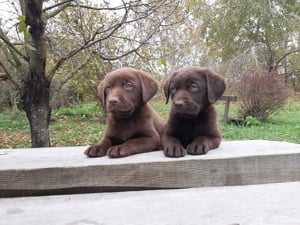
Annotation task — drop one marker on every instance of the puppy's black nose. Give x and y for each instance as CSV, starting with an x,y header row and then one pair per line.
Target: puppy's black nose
x,y
179,103
113,100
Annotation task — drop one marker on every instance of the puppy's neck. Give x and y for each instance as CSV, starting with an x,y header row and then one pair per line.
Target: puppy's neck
x,y
202,115
140,110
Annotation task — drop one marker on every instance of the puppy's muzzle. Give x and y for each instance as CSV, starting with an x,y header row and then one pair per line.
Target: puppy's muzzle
x,y
179,104
113,100
185,108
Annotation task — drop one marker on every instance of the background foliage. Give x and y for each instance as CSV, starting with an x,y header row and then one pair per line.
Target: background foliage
x,y
229,36
85,39
82,125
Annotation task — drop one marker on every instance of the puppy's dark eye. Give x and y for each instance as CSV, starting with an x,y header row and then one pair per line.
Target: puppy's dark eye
x,y
172,89
108,86
194,87
128,86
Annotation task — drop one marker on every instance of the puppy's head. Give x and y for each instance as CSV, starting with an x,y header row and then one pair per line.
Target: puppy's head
x,y
193,89
123,90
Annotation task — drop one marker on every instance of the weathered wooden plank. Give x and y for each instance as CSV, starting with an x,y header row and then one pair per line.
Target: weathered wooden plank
x,y
228,98
67,170
268,204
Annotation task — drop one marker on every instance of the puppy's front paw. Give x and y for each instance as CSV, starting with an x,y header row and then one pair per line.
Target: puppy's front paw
x,y
197,149
118,151
201,146
95,151
174,150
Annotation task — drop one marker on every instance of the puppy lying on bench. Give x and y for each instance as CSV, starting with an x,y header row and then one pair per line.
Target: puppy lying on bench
x,y
132,126
192,126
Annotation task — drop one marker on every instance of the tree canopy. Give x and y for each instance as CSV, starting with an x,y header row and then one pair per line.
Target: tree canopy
x,y
269,29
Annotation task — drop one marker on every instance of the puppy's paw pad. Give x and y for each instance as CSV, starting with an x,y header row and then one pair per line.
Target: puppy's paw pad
x,y
95,151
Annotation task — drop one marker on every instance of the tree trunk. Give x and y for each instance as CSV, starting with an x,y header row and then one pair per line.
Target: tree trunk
x,y
271,64
35,92
38,112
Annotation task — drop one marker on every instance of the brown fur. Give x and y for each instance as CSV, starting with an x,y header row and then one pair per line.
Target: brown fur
x,y
132,126
192,126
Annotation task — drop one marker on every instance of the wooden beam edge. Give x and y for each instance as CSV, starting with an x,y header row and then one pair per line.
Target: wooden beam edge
x,y
260,169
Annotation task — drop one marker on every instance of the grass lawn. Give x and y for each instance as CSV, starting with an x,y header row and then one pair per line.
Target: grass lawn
x,y
285,126
81,125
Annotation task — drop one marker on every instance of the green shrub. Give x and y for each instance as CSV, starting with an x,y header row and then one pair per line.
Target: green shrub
x,y
251,121
87,110
67,112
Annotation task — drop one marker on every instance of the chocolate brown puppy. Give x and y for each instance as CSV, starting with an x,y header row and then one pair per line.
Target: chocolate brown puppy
x,y
192,126
132,126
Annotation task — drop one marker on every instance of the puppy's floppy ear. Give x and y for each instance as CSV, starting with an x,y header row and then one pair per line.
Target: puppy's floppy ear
x,y
148,85
166,88
101,93
215,86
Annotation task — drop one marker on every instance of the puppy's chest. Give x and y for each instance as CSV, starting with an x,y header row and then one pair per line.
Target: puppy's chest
x,y
189,129
123,131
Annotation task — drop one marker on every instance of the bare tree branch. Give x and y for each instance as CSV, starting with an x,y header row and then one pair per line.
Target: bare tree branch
x,y
87,44
75,71
4,38
285,55
141,43
116,8
148,10
60,7
7,76
57,5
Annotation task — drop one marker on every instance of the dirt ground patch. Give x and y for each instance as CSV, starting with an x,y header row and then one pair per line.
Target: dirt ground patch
x,y
13,140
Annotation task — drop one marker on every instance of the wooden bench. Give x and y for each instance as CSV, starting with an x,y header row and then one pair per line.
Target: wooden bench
x,y
241,182
226,118
227,99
